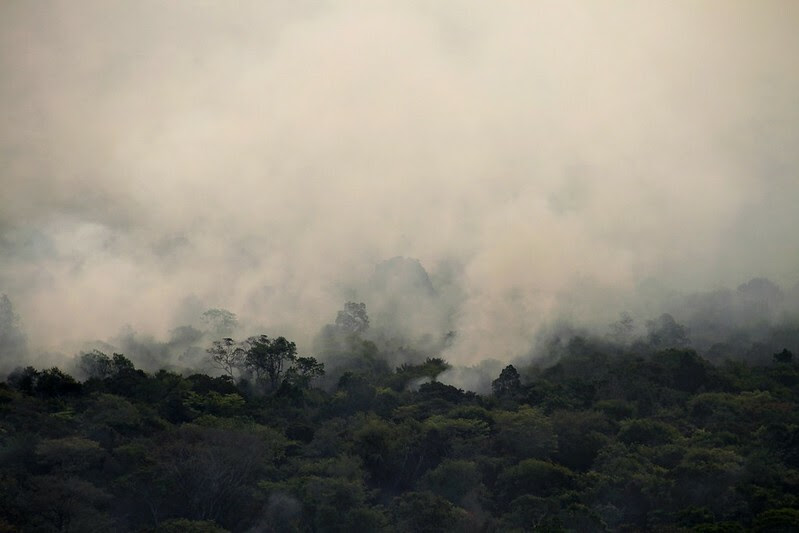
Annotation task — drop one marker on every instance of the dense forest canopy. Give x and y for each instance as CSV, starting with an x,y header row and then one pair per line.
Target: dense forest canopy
x,y
626,431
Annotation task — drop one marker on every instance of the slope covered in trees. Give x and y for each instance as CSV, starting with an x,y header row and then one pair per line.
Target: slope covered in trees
x,y
604,437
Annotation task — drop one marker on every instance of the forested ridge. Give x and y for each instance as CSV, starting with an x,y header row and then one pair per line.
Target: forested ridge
x,y
399,266
595,441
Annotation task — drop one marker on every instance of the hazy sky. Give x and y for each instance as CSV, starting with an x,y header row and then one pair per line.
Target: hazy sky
x,y
263,156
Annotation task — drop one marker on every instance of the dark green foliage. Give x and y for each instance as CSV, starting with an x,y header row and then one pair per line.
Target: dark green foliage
x,y
643,439
581,434
525,433
783,520
445,393
182,525
687,371
719,527
532,513
96,365
454,480
304,371
356,393
50,383
424,512
204,384
785,356
54,383
646,431
24,379
407,373
534,477
508,384
665,332
266,358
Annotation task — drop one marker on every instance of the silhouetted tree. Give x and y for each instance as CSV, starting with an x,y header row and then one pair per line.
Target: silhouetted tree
x,y
227,355
665,332
353,318
24,379
219,322
785,356
304,370
622,329
508,383
425,511
55,383
96,364
266,357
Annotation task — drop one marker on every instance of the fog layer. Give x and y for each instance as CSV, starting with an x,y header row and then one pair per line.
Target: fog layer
x,y
540,159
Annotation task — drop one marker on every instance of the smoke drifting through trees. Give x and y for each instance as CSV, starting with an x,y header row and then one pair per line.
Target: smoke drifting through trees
x,y
757,323
542,161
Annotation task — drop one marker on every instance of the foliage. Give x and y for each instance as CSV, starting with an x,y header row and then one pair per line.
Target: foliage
x,y
665,332
266,357
785,356
508,383
646,437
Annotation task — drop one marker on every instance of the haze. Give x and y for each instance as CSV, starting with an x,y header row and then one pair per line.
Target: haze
x,y
540,160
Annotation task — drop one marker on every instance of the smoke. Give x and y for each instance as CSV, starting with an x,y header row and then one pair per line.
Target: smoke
x,y
541,160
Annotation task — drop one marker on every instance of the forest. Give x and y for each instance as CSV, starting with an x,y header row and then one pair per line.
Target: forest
x,y
604,434
214,314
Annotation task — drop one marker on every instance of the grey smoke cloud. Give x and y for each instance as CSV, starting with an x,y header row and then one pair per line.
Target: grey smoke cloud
x,y
549,157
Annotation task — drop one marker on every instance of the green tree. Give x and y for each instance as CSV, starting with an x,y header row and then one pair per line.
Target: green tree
x,y
182,525
454,480
425,512
581,434
209,473
785,356
95,365
508,383
66,503
304,371
648,432
705,477
777,521
665,332
266,358
48,383
525,433
534,477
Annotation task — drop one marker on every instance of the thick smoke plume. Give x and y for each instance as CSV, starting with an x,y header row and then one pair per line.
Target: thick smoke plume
x,y
541,160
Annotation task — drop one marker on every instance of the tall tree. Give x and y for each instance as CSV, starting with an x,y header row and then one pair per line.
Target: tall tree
x,y
304,370
227,355
508,383
353,318
220,322
622,329
665,332
267,357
